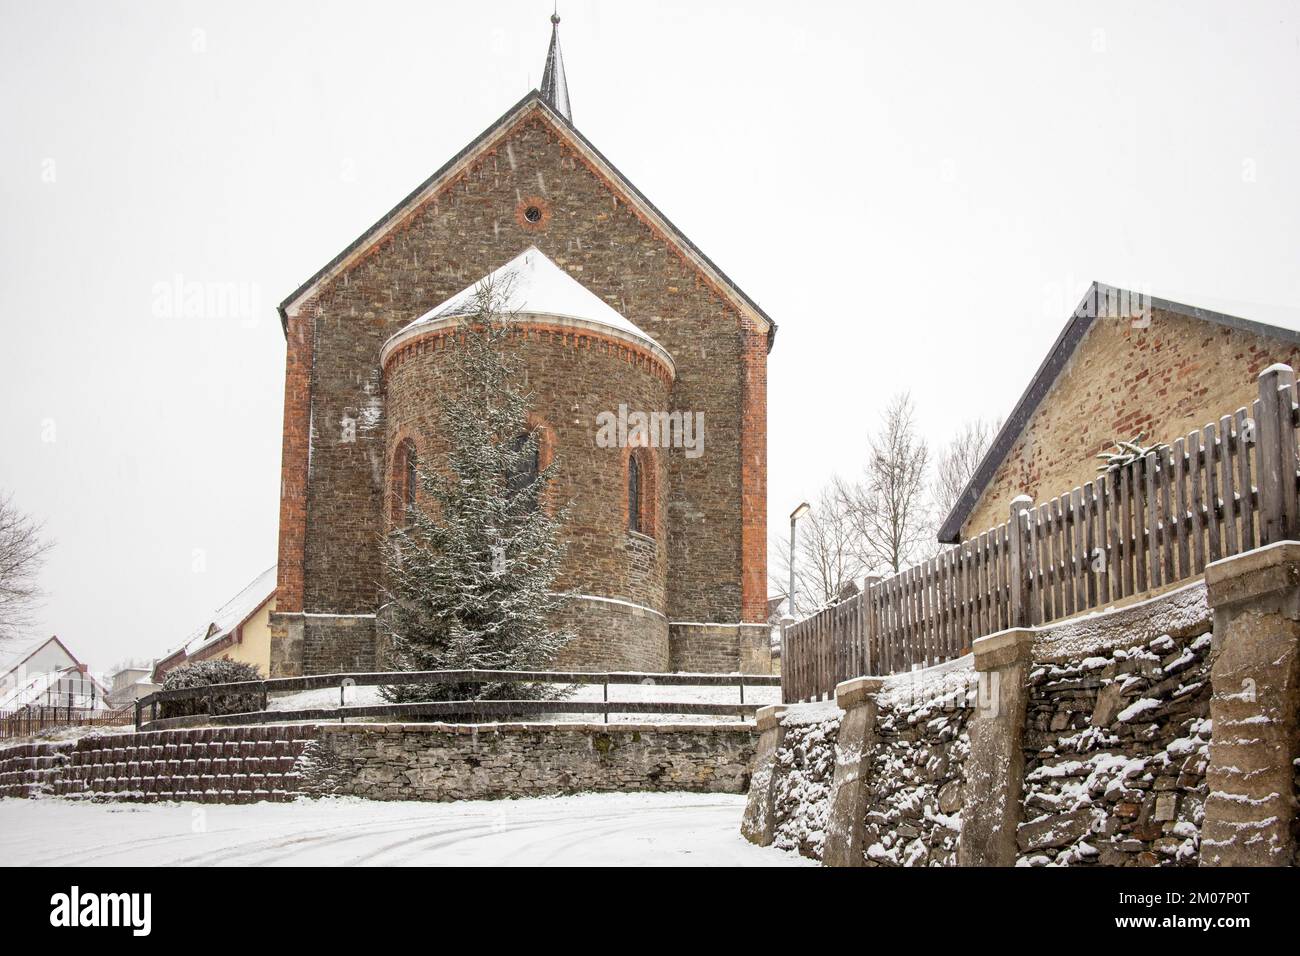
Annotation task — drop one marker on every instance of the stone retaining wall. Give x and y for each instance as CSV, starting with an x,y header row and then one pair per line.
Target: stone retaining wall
x,y
1161,734
1116,746
487,761
383,761
805,765
210,764
917,770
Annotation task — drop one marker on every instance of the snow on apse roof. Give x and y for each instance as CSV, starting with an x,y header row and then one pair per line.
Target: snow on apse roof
x,y
534,285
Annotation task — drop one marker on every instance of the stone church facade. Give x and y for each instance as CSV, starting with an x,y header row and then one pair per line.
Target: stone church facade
x,y
678,585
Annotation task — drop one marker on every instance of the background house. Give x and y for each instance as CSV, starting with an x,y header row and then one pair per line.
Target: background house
x,y
48,674
238,631
1125,363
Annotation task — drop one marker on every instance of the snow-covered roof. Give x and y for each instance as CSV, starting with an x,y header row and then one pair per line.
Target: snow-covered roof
x,y
231,614
533,285
16,659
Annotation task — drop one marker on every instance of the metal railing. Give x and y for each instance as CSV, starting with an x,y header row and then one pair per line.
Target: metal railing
x,y
479,708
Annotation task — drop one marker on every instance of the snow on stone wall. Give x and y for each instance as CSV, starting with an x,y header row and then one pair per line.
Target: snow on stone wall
x,y
914,792
805,768
1116,747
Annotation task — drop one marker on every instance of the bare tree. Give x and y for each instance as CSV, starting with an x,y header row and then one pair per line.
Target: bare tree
x,y
22,551
888,506
828,556
958,461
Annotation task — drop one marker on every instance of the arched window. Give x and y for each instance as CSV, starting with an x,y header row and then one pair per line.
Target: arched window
x,y
412,479
641,491
634,494
405,481
525,466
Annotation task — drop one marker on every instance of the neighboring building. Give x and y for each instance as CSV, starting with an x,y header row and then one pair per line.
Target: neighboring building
x,y
48,674
239,631
1125,363
666,565
129,682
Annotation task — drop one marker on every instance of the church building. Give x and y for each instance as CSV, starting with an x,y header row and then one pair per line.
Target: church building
x,y
618,314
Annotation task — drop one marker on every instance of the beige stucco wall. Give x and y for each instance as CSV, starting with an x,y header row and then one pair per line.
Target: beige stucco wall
x,y
255,648
1166,380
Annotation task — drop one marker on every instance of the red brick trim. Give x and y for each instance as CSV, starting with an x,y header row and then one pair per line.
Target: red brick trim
x,y
402,448
753,477
564,336
538,203
293,462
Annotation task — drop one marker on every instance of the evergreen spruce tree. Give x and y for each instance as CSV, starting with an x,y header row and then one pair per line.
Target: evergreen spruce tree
x,y
469,575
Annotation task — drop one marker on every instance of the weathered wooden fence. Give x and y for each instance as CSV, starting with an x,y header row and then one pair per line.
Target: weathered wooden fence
x,y
34,718
1155,522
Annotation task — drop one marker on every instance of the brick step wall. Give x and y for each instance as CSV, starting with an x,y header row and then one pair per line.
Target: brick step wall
x,y
211,764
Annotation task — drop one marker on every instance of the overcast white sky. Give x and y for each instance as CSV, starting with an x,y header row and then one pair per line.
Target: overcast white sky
x,y
917,193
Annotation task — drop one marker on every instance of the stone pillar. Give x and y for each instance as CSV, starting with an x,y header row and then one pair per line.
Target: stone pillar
x,y
857,735
995,769
1255,674
759,823
287,638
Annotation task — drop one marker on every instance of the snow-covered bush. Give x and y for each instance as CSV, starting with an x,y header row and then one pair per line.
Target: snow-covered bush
x,y
202,674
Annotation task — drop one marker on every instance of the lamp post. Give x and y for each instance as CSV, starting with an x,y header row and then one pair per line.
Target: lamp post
x,y
794,517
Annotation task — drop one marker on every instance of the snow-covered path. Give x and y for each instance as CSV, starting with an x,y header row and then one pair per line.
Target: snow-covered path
x,y
649,829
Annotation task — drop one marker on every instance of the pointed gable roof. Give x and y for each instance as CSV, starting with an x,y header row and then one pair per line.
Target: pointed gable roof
x,y
1100,301
534,107
555,88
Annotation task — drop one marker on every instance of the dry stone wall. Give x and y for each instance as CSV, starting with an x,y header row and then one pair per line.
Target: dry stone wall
x,y
1116,747
489,761
805,765
914,791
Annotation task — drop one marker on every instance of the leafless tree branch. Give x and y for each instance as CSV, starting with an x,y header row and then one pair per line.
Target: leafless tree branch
x,y
22,552
888,505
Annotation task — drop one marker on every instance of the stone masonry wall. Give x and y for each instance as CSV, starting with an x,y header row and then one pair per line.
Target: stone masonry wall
x,y
914,791
338,645
468,229
1166,379
572,379
703,648
488,761
805,765
1115,755
383,761
610,636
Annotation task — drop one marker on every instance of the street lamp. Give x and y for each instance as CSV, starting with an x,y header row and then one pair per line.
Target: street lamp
x,y
794,517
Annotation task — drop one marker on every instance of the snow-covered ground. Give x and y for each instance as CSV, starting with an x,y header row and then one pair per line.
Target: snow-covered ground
x,y
362,696
649,829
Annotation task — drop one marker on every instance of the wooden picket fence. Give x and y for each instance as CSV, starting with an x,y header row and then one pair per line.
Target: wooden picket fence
x,y
1157,521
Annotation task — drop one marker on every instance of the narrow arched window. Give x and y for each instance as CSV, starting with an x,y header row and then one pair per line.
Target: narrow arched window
x,y
412,479
405,480
634,494
524,465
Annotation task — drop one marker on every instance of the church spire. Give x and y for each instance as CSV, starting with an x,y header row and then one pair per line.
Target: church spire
x,y
555,88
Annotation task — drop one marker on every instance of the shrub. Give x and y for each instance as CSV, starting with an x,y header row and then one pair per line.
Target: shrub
x,y
203,673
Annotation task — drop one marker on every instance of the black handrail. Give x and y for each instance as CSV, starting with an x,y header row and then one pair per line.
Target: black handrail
x,y
396,678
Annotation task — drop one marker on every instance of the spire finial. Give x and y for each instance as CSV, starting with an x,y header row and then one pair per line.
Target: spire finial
x,y
555,88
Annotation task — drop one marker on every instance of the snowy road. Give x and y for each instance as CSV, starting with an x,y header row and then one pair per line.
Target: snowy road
x,y
592,829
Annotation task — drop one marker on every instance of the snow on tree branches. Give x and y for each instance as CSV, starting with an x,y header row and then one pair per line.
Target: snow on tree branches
x,y
469,574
